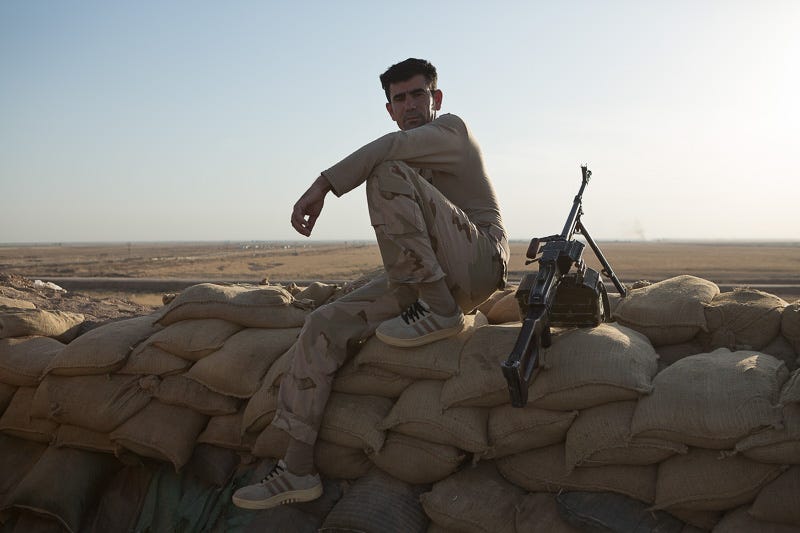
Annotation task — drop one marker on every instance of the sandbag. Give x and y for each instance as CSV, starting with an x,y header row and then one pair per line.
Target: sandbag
x,y
260,408
592,366
340,462
670,353
66,502
416,461
161,431
743,319
23,360
779,500
377,502
225,431
18,419
705,480
83,439
180,390
213,465
740,521
668,312
417,413
237,368
543,470
780,348
518,429
486,306
476,499
601,436
437,360
480,383
100,403
790,324
370,380
146,359
194,339
738,392
317,293
352,420
247,305
779,445
103,349
61,325
505,310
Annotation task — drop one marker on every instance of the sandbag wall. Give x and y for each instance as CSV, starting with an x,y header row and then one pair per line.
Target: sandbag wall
x,y
686,410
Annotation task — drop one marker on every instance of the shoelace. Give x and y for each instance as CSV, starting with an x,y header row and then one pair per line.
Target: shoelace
x,y
414,312
276,471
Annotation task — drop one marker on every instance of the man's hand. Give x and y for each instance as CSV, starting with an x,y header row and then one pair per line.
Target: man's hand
x,y
309,206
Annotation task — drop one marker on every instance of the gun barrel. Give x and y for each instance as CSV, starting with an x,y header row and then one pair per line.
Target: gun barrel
x,y
575,212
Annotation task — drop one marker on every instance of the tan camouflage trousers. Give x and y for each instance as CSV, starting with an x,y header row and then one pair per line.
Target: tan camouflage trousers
x,y
422,238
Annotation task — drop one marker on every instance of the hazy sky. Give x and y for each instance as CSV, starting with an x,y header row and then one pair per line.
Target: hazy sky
x,y
164,120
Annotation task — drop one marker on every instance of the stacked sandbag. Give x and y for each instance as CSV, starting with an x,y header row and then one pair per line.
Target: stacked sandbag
x,y
145,388
711,427
614,434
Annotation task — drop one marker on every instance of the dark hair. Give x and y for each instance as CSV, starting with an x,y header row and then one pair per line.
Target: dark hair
x,y
405,70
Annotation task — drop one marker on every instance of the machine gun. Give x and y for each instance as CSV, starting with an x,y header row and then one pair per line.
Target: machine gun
x,y
554,296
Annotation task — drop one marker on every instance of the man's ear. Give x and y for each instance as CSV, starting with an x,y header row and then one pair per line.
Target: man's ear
x,y
390,110
437,99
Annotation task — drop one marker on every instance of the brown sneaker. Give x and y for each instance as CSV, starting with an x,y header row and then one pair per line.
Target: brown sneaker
x,y
418,325
279,487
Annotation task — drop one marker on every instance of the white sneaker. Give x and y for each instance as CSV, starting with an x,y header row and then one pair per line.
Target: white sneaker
x,y
418,325
279,487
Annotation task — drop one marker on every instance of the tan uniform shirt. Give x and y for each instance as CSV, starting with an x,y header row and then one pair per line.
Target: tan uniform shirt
x,y
447,155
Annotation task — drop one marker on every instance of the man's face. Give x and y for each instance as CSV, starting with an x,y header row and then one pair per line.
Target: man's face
x,y
412,103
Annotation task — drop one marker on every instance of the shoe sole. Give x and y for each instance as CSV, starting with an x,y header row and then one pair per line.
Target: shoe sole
x,y
294,496
422,340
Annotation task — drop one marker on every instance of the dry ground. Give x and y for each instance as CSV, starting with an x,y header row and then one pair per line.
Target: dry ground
x,y
772,266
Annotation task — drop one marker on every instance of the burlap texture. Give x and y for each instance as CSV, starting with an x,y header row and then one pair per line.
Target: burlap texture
x,y
743,319
161,431
247,305
19,421
505,310
437,360
592,366
340,462
61,325
180,390
790,324
103,349
705,480
225,431
475,499
668,312
149,360
69,436
513,429
99,403
416,461
480,383
602,436
194,339
780,445
237,368
418,413
779,500
23,360
544,470
738,391
352,420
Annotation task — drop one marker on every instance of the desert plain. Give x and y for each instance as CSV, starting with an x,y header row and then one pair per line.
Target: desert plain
x,y
143,271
